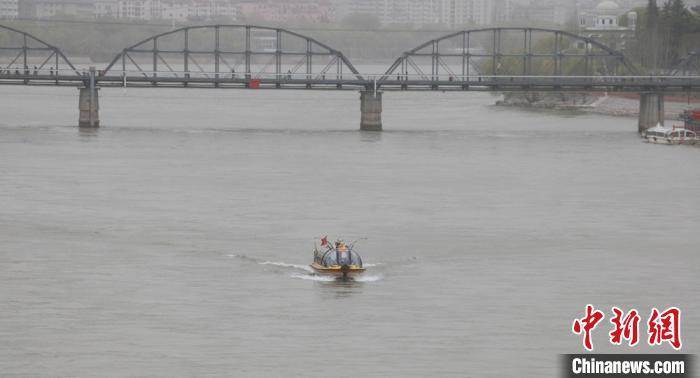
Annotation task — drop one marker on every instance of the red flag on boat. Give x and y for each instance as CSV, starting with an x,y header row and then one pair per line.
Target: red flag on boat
x,y
324,241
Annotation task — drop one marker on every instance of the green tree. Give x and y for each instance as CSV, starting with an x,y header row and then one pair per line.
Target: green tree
x,y
676,22
650,33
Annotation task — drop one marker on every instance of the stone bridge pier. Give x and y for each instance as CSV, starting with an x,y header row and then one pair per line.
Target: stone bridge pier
x,y
88,103
371,109
651,110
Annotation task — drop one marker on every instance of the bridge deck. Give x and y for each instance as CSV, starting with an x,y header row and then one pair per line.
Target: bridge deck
x,y
472,83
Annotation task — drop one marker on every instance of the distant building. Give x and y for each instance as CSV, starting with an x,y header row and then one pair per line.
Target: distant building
x,y
542,13
184,10
503,11
606,17
176,10
604,22
173,10
136,9
316,11
264,41
73,8
391,12
227,9
415,12
500,12
106,8
87,9
450,13
9,9
454,13
482,12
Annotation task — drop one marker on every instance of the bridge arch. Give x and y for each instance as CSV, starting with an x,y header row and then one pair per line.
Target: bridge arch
x,y
21,51
233,51
510,51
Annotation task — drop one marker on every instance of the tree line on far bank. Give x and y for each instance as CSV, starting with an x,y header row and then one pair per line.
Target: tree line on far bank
x,y
665,35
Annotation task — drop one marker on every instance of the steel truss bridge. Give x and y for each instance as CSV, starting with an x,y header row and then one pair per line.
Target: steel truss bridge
x,y
257,57
233,56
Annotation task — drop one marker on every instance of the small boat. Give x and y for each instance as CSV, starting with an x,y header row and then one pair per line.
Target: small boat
x,y
669,135
338,259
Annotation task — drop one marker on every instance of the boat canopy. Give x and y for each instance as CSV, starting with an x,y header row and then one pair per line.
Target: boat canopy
x,y
658,130
334,257
680,133
675,132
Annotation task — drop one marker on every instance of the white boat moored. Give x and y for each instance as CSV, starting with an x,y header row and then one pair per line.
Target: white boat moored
x,y
669,135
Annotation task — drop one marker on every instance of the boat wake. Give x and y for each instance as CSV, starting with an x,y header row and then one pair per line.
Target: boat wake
x,y
305,272
243,258
320,278
314,277
285,265
368,278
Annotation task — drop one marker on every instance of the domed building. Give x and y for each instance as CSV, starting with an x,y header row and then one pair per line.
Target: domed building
x,y
605,17
606,14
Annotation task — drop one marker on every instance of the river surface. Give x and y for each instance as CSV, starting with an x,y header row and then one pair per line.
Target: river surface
x,y
174,240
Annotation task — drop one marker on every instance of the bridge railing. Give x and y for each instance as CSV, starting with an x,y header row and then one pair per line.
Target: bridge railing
x,y
203,78
44,76
135,73
45,71
476,77
368,81
379,77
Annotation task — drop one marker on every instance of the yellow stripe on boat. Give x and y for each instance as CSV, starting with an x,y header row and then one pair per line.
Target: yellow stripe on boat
x,y
335,269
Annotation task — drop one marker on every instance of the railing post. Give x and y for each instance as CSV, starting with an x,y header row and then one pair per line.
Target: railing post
x,y
216,56
56,53
247,55
155,60
186,56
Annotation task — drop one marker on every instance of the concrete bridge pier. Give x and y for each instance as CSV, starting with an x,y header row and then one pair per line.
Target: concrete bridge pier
x,y
88,103
651,110
371,109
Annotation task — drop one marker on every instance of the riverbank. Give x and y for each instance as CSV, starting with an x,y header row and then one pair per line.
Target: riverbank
x,y
613,104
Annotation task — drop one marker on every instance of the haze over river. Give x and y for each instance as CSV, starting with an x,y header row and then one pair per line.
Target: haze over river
x,y
173,240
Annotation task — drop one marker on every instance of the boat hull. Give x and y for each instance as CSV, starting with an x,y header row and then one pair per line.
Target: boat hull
x,y
662,140
337,270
